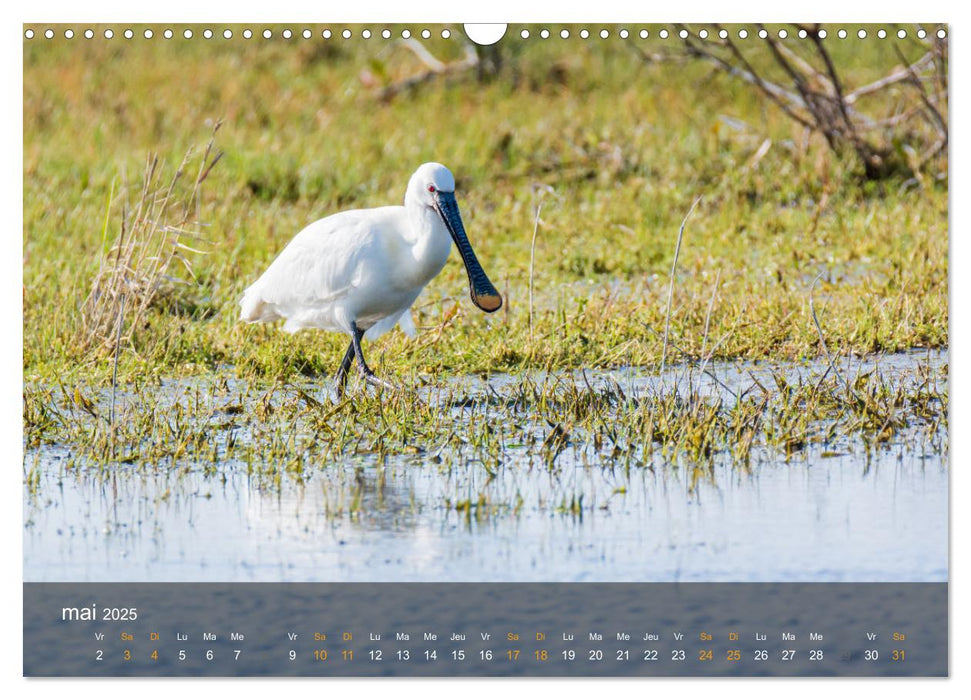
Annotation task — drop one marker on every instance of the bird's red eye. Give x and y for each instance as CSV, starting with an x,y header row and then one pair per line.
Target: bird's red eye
x,y
431,188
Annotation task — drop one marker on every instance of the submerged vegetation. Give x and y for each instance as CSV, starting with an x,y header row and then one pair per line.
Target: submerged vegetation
x,y
576,165
613,420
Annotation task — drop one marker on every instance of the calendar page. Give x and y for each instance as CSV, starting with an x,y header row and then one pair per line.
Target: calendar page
x,y
485,350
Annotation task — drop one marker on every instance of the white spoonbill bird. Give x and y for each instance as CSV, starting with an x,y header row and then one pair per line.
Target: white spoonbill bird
x,y
358,271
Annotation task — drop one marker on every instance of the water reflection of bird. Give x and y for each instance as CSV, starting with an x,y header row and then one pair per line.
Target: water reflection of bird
x,y
358,272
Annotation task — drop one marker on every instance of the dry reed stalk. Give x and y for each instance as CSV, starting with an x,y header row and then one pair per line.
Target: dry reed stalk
x,y
532,257
822,339
674,268
133,270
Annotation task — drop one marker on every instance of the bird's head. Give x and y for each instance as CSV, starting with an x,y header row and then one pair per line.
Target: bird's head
x,y
428,181
433,186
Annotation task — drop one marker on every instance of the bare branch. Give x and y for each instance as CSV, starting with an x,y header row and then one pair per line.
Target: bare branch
x,y
898,75
436,68
937,119
837,86
423,54
786,100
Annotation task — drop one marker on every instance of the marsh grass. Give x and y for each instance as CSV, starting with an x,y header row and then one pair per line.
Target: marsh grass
x,y
624,147
282,432
573,177
137,265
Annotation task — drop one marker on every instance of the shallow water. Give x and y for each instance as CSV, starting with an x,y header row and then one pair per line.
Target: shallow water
x,y
834,515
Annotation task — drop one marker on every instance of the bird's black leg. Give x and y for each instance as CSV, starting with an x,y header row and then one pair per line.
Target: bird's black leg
x,y
365,371
340,380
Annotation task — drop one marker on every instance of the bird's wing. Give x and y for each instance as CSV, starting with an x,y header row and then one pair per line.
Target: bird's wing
x,y
320,265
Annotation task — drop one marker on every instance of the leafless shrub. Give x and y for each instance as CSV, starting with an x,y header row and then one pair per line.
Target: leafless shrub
x,y
897,123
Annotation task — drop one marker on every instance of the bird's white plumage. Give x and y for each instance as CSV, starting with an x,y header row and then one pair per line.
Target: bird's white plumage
x,y
366,266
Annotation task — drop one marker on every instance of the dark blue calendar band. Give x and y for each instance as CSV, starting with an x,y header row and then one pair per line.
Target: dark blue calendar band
x,y
485,629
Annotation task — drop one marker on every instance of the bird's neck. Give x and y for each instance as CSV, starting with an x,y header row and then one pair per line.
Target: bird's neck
x,y
430,240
